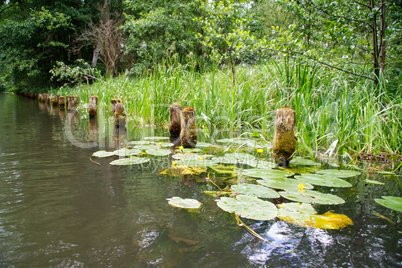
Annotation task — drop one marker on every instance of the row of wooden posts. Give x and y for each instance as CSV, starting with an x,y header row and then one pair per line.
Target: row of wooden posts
x,y
182,126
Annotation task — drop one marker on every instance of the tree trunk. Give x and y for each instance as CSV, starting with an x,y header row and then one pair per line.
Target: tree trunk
x,y
376,64
95,55
382,36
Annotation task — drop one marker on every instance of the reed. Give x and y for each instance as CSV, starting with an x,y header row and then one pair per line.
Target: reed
x,y
329,105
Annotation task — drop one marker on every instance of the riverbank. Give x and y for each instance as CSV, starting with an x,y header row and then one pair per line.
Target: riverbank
x,y
330,106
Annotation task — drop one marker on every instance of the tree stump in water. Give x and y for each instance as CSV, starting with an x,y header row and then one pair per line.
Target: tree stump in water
x,y
188,133
53,100
118,113
62,102
72,102
175,123
284,141
93,106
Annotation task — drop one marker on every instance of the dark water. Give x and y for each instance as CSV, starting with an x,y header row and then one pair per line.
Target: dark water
x,y
59,209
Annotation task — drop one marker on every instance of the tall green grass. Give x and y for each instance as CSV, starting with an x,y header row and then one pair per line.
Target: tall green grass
x,y
329,105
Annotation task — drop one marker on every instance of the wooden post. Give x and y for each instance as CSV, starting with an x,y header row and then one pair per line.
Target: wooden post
x,y
188,134
118,113
175,123
62,102
72,102
93,106
53,100
284,141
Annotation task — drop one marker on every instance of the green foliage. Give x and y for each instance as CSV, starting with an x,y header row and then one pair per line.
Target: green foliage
x,y
71,75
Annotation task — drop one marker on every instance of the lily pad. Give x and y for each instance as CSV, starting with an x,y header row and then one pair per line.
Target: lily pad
x,y
284,184
249,207
156,138
147,147
339,173
132,143
202,144
255,190
127,152
130,161
312,197
158,152
266,173
392,202
196,163
186,203
225,170
304,215
190,150
322,180
261,164
187,156
102,154
298,161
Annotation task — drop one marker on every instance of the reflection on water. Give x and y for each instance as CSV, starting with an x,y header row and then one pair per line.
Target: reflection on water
x,y
57,208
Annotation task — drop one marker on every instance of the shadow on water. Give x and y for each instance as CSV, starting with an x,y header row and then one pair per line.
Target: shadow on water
x,y
57,208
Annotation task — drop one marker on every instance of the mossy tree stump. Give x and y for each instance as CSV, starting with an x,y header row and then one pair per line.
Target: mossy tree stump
x,y
118,113
284,144
175,123
93,106
188,133
62,102
72,102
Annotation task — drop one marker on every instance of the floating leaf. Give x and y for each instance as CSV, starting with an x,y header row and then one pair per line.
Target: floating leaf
x,y
165,144
392,202
322,180
284,184
101,154
156,138
298,161
158,152
249,207
225,170
255,190
132,143
261,164
266,173
147,147
242,157
374,182
304,215
339,173
130,161
127,152
197,163
202,144
186,156
312,197
186,203
191,150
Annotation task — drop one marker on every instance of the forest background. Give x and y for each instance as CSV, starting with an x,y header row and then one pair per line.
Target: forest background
x,y
337,63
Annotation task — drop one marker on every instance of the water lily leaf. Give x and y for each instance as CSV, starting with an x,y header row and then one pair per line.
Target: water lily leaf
x,y
266,173
186,203
298,161
156,138
312,197
283,184
261,164
392,202
202,144
225,170
188,170
339,173
249,207
130,161
321,180
374,182
158,152
127,152
196,163
255,190
190,150
187,156
147,147
133,143
101,154
242,157
304,215
165,144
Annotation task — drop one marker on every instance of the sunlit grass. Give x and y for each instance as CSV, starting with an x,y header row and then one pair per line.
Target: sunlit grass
x,y
329,105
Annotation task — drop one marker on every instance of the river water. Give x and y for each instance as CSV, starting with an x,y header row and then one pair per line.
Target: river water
x,y
60,209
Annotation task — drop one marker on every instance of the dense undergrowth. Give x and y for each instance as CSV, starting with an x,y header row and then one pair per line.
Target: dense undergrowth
x,y
329,105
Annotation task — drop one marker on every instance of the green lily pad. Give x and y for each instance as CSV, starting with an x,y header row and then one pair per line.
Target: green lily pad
x,y
322,180
133,143
186,203
102,154
249,207
295,211
130,161
242,157
255,190
156,138
298,161
283,184
392,202
196,163
374,182
225,169
190,150
266,173
339,173
158,152
202,144
312,197
261,164
187,156
127,152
